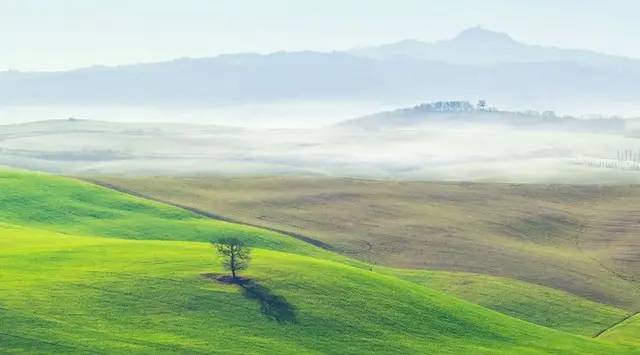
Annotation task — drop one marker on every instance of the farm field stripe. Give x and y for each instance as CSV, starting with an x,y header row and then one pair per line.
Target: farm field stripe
x,y
206,214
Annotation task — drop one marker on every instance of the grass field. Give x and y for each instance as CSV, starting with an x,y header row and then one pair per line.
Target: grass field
x,y
78,208
75,207
77,295
626,332
580,239
86,269
533,303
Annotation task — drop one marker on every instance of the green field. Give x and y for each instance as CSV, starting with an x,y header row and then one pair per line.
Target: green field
x,y
533,303
625,332
579,239
78,208
88,270
64,294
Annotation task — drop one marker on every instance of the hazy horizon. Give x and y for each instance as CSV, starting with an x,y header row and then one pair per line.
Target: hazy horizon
x,y
277,115
76,34
282,105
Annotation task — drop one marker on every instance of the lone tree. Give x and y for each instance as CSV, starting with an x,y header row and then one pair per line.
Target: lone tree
x,y
234,252
482,105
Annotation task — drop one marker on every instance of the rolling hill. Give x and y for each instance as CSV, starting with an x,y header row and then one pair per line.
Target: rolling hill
x,y
580,239
70,295
68,206
479,46
465,114
501,70
536,304
72,284
625,332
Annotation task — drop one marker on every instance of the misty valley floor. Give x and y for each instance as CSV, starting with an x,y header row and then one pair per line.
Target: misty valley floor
x,y
433,152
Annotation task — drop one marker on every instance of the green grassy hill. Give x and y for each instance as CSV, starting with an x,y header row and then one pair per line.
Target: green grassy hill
x,y
78,295
580,239
79,208
533,303
72,284
626,332
74,207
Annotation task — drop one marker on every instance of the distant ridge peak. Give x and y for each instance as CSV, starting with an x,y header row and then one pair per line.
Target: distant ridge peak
x,y
479,34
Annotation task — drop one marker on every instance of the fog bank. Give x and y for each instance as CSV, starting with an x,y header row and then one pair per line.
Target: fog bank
x,y
428,152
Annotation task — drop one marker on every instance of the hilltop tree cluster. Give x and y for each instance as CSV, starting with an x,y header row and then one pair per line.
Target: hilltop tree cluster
x,y
448,106
544,114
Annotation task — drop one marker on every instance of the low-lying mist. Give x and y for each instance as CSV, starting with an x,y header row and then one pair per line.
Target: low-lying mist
x,y
289,114
443,152
274,114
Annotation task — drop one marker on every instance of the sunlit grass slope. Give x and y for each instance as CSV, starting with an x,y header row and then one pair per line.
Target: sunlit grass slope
x,y
533,303
565,237
79,208
73,207
81,295
625,332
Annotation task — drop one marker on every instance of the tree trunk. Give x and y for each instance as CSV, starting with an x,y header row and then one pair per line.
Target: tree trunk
x,y
233,266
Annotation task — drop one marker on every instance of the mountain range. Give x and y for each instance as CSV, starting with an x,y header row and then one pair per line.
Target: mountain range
x,y
477,46
476,64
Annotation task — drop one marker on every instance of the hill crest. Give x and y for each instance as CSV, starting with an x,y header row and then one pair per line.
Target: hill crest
x,y
480,46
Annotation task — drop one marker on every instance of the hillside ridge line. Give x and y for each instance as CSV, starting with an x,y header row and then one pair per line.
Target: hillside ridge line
x,y
205,214
616,324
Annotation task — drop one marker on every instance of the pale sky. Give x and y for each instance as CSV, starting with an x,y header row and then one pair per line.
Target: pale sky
x,y
63,34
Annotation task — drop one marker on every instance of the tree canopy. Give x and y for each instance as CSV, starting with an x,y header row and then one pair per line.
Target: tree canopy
x,y
235,254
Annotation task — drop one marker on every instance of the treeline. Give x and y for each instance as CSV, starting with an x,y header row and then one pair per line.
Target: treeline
x,y
628,155
613,124
447,106
543,114
467,106
609,164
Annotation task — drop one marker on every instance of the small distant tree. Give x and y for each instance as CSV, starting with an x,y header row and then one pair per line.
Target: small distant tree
x,y
369,251
235,254
482,105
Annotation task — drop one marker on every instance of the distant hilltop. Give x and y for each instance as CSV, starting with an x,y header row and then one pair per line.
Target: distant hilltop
x,y
465,112
480,46
475,63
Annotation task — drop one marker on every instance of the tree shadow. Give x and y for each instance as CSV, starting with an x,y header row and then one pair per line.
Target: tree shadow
x,y
273,306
